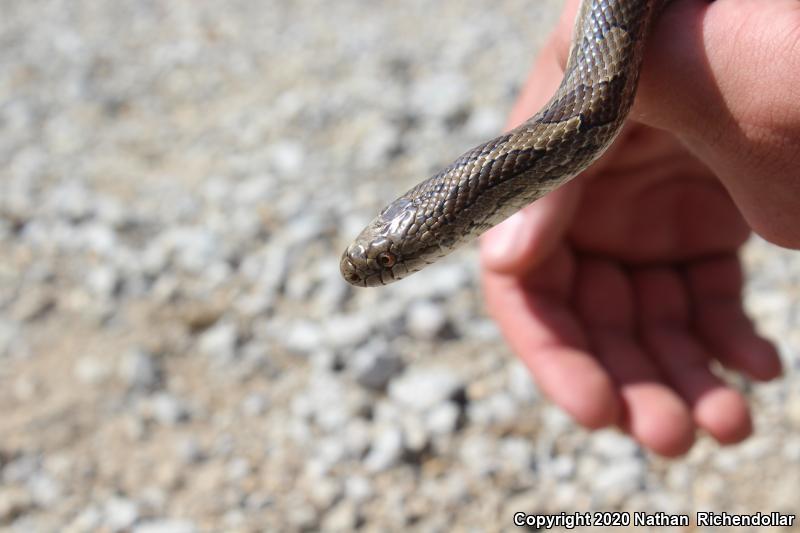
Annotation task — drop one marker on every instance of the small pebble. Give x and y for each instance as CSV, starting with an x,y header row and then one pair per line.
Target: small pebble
x,y
140,370
166,526
120,514
424,388
219,342
386,450
167,409
426,320
91,370
375,365
442,419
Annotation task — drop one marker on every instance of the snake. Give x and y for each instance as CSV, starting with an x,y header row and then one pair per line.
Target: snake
x,y
490,182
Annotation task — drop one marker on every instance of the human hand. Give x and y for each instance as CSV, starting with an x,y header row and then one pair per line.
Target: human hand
x,y
622,288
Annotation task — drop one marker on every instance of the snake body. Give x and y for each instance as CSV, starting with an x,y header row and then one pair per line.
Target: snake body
x,y
495,179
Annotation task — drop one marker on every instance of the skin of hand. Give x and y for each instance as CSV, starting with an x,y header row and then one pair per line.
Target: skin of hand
x,y
621,291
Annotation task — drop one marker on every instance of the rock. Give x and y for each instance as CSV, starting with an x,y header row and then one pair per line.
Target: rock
x,y
20,470
45,490
502,408
324,492
192,248
167,409
302,517
415,435
287,157
120,514
72,200
219,342
441,280
233,519
499,408
303,337
101,240
343,517
612,445
426,320
89,519
327,361
375,365
758,448
679,478
256,501
386,450
358,489
253,191
485,123
561,467
347,331
304,228
617,480
380,146
9,338
517,455
422,389
443,419
166,526
478,453
26,389
102,281
555,420
238,468
331,293
329,403
255,303
356,438
140,370
727,460
441,95
254,404
331,451
791,449
521,384
190,451
91,370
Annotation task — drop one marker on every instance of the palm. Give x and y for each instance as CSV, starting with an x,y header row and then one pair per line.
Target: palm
x,y
633,294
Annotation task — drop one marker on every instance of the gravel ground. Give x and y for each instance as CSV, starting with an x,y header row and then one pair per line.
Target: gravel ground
x,y
178,352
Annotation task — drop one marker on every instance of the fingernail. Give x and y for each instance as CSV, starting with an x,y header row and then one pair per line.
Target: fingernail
x,y
501,242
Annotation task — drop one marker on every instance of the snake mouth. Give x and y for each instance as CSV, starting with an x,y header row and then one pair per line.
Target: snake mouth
x,y
361,277
351,273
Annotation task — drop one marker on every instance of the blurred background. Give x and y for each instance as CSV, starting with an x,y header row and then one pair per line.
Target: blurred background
x,y
178,352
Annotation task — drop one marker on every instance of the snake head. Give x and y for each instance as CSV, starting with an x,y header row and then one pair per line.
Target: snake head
x,y
377,256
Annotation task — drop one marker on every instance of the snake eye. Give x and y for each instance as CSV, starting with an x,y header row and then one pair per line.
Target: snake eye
x,y
387,259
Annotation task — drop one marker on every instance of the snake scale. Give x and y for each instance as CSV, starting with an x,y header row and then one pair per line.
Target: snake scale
x,y
497,178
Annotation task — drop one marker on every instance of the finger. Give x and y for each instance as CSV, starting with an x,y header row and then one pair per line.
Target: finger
x,y
546,336
716,407
715,286
664,311
652,412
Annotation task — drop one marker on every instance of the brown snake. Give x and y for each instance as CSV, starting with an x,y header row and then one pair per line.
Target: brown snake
x,y
492,181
